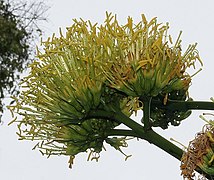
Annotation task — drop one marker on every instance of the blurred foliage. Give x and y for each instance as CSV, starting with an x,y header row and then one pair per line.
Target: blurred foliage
x,y
18,31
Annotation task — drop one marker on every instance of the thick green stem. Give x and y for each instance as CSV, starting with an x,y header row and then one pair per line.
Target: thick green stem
x,y
185,105
150,136
164,144
156,140
102,114
146,113
121,132
139,131
153,138
145,132
191,105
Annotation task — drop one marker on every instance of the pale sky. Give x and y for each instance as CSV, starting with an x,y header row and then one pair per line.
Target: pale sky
x,y
195,18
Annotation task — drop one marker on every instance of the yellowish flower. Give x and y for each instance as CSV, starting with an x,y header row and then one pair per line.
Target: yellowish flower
x,y
141,59
90,68
65,84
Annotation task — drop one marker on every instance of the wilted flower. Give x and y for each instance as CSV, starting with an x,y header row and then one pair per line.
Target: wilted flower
x,y
200,153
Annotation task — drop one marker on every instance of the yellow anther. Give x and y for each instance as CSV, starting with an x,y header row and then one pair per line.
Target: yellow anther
x,y
209,134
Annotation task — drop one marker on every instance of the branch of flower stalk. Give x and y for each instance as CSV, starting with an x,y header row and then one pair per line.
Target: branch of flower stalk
x,y
146,113
102,114
121,132
138,131
150,135
164,144
131,133
185,105
153,138
116,115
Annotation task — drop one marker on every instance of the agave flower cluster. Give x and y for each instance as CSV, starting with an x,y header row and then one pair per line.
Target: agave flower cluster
x,y
142,60
200,153
90,68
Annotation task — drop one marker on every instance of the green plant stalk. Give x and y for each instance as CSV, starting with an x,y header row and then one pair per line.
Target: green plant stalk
x,y
151,136
146,113
138,131
126,132
185,105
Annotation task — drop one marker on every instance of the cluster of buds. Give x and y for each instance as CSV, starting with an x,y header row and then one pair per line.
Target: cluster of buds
x,y
163,117
200,153
90,68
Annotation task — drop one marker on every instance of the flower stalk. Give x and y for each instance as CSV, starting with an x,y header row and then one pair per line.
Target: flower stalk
x,y
185,105
146,113
138,130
